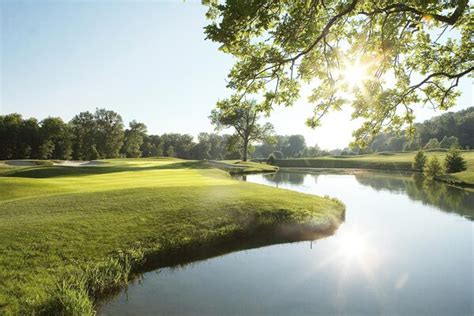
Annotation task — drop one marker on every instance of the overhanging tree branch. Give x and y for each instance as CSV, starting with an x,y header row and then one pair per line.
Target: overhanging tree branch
x,y
401,7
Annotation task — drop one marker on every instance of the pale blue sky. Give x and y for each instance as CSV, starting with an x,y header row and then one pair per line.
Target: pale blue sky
x,y
147,60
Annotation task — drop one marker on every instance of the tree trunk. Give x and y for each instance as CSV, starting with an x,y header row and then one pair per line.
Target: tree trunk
x,y
246,144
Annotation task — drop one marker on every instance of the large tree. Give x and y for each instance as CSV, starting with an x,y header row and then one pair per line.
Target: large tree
x,y
296,146
243,117
133,141
151,146
177,145
381,56
110,133
57,136
19,138
83,128
98,135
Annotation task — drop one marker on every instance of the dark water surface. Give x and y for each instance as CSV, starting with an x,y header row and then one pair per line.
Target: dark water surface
x,y
405,248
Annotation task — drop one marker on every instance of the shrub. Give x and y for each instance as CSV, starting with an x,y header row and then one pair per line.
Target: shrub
x,y
419,161
454,162
271,159
433,168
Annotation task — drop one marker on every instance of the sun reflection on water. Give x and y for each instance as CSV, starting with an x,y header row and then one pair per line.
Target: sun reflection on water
x,y
353,245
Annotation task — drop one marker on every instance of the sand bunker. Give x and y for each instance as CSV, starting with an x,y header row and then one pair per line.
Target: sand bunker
x,y
77,163
20,163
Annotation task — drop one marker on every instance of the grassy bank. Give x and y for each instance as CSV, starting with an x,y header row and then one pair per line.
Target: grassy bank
x,y
383,161
242,167
69,233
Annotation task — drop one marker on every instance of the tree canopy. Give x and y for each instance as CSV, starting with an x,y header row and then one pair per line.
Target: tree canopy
x,y
133,139
243,117
382,57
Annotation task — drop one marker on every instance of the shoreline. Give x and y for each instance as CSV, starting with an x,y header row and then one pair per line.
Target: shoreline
x,y
255,236
134,215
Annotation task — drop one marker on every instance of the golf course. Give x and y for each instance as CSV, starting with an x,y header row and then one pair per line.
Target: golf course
x,y
401,161
69,233
224,157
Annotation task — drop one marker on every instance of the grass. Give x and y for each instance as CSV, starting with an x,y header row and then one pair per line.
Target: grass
x,y
243,167
386,161
67,234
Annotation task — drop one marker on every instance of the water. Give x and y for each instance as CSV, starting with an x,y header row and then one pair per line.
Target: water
x,y
405,248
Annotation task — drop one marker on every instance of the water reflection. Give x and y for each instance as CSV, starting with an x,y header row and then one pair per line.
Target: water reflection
x,y
415,186
395,254
282,177
418,188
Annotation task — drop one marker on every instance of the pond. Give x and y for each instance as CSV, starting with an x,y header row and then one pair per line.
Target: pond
x,y
406,247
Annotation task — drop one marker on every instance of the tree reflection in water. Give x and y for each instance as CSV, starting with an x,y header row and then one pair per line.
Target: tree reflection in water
x,y
418,188
446,198
286,177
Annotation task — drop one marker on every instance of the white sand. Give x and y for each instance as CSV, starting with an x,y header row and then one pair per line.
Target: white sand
x,y
78,163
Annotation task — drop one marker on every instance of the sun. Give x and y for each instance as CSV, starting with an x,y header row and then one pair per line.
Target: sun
x,y
355,74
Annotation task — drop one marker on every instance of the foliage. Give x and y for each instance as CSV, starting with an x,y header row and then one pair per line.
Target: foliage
x,y
134,140
151,146
45,150
449,142
458,124
432,144
454,162
243,117
83,128
395,161
412,145
419,161
209,146
97,135
278,45
53,139
433,169
57,133
453,128
109,133
177,145
287,146
296,146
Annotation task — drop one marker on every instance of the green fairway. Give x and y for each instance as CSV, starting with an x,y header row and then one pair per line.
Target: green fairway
x,y
385,161
67,233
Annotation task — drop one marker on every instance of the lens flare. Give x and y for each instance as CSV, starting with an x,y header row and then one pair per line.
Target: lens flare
x,y
354,75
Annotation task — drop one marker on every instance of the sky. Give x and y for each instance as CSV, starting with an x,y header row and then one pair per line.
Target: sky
x,y
147,60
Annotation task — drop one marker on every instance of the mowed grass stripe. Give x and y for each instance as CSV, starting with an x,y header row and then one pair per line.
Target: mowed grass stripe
x,y
20,188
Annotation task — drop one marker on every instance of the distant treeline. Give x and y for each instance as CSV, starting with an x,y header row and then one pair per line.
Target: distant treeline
x,y
444,131
287,146
102,134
